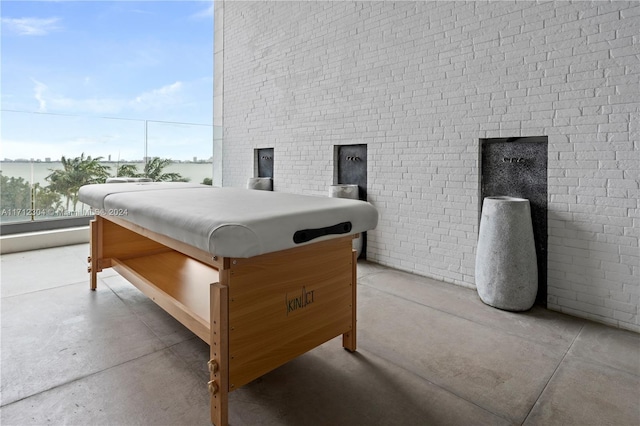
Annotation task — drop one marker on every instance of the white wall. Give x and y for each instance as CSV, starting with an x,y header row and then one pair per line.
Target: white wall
x,y
420,83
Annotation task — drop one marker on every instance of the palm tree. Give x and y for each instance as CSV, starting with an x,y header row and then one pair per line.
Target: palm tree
x,y
76,172
153,169
127,170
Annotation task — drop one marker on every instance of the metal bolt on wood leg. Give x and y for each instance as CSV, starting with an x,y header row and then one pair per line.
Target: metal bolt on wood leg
x,y
213,366
213,387
89,259
89,269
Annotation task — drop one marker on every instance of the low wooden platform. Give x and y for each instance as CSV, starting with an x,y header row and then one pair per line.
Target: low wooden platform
x,y
255,313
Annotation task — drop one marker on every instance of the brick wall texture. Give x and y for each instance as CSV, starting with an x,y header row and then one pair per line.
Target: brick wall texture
x,y
421,83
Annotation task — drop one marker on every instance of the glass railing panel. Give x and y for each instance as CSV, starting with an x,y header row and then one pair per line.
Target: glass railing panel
x,y
70,151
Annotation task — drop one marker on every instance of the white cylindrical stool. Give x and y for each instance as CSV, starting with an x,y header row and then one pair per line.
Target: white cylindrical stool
x,y
261,183
506,269
352,192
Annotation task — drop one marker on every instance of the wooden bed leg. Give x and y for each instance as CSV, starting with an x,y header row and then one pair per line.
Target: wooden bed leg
x,y
219,359
94,242
349,339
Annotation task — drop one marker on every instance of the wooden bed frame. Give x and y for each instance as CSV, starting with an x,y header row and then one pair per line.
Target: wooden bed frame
x,y
255,313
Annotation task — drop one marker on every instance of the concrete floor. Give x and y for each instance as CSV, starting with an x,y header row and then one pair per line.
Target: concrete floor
x,y
428,354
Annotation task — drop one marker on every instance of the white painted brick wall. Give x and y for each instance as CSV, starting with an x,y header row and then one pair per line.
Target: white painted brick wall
x,y
421,83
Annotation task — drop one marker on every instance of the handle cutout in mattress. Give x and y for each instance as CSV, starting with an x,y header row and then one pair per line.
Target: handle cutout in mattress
x,y
310,234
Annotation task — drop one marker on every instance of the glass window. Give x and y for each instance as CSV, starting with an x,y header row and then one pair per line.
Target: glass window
x,y
82,102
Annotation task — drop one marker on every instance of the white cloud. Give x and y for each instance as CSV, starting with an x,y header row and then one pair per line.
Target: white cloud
x,y
49,101
156,99
141,12
205,13
31,26
165,95
39,91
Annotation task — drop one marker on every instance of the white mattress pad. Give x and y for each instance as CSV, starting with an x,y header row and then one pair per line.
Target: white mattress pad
x,y
231,222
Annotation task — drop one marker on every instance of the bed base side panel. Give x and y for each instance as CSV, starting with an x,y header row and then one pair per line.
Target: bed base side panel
x,y
121,243
109,241
286,303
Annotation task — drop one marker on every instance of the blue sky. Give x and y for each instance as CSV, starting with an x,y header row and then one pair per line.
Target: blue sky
x,y
77,65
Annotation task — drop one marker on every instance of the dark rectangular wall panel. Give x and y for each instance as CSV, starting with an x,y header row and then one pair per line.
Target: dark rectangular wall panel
x,y
351,168
264,161
517,167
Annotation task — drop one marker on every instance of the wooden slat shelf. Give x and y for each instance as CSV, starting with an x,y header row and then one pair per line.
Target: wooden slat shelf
x,y
177,283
